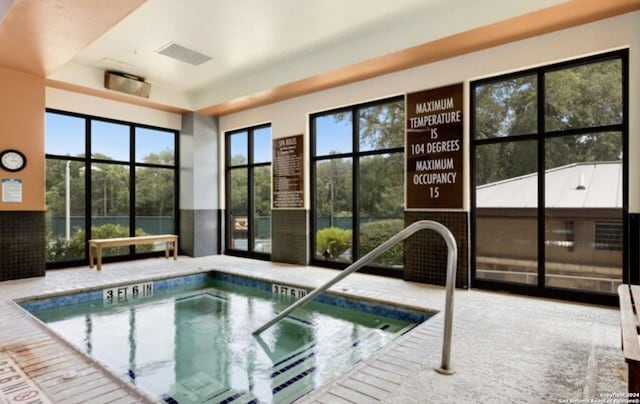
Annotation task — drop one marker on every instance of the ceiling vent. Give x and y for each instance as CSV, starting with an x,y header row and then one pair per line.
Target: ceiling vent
x,y
183,54
126,83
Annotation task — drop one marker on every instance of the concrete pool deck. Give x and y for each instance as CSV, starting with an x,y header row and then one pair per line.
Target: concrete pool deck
x,y
506,348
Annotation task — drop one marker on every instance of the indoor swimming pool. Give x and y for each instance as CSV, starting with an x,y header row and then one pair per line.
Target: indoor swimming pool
x,y
189,339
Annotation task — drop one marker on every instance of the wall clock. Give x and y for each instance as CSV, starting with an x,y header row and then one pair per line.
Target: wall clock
x,y
12,160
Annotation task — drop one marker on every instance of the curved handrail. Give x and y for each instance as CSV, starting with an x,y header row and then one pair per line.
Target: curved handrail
x,y
452,255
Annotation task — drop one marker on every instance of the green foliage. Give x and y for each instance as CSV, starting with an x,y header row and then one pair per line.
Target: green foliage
x,y
59,249
154,191
382,185
114,231
375,233
262,191
382,126
334,187
380,177
56,187
109,190
333,242
261,188
584,96
110,187
165,157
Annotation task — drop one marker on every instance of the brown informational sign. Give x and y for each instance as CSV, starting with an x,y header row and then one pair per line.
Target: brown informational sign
x,y
434,148
288,173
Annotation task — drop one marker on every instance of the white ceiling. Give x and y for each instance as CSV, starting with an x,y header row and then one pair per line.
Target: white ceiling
x,y
256,45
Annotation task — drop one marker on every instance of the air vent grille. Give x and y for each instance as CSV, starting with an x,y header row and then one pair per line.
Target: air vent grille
x,y
183,54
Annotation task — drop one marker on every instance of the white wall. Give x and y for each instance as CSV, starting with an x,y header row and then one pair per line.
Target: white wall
x,y
69,101
290,117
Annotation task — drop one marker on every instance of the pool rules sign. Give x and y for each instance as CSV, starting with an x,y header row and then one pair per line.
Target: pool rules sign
x,y
434,148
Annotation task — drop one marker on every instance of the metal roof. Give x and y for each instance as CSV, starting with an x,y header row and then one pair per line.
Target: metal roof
x,y
578,185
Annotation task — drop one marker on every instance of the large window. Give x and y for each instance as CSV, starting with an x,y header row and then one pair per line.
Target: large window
x,y
549,149
357,166
248,161
106,179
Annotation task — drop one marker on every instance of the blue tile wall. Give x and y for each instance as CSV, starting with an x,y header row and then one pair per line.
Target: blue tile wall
x,y
242,281
379,309
190,280
61,301
96,295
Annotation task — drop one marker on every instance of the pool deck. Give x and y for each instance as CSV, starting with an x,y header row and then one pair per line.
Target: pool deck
x,y
506,348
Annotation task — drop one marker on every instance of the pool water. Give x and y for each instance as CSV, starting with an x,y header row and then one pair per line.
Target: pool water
x,y
194,344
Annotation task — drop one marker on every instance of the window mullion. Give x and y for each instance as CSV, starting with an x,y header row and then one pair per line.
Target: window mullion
x,y
88,190
541,181
250,193
132,186
355,184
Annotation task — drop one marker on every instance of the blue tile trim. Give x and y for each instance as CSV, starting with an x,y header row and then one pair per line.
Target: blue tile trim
x,y
168,399
369,335
61,301
293,380
233,397
170,283
379,309
96,295
242,281
299,320
275,365
292,365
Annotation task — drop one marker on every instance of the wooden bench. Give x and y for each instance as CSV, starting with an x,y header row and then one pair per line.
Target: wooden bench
x,y
629,322
99,244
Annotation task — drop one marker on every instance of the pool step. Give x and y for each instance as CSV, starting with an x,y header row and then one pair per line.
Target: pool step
x,y
200,388
293,376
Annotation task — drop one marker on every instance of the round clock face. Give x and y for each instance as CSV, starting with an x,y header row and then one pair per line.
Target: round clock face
x,y
12,160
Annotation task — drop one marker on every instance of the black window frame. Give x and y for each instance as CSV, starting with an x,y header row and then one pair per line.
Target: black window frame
x,y
88,160
355,155
540,136
250,167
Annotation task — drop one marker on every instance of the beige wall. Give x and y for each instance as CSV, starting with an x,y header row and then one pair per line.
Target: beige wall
x,y
101,107
22,103
290,117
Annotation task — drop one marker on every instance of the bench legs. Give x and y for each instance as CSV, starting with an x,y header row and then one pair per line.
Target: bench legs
x,y
97,256
175,249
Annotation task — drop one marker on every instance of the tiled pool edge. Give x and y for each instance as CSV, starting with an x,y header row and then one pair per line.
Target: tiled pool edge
x,y
44,302
31,335
376,363
124,383
380,376
334,290
333,298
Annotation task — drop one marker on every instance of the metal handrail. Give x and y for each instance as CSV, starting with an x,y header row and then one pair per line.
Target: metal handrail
x,y
452,255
